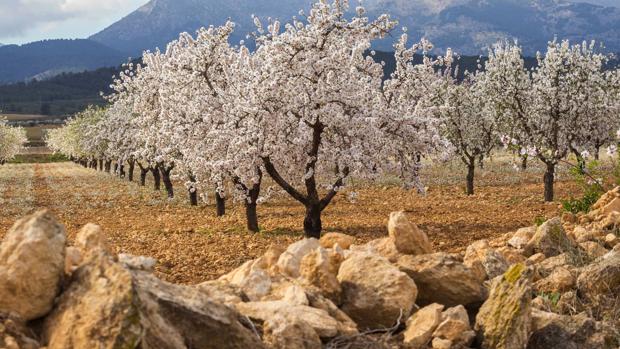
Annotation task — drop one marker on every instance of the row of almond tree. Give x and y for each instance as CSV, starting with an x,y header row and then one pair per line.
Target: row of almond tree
x,y
12,141
309,107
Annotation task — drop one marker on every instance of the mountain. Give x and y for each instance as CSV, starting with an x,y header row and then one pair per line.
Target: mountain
x,y
45,59
468,26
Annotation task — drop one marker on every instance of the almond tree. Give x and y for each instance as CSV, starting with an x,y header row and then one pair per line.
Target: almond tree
x,y
321,117
12,140
544,110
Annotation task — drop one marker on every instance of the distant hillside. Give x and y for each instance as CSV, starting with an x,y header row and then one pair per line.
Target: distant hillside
x,y
45,59
64,94
467,26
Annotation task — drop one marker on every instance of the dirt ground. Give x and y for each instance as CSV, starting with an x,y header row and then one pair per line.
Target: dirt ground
x,y
192,245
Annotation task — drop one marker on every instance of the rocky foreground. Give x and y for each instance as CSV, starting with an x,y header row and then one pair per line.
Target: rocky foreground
x,y
552,286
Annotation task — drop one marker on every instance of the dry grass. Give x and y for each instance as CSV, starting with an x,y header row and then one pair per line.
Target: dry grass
x,y
193,245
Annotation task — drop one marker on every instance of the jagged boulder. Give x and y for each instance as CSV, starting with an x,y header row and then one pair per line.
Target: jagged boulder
x,y
480,254
602,276
550,239
283,333
32,265
91,239
384,247
421,325
251,278
550,330
560,280
521,237
442,278
14,334
319,268
503,321
407,237
329,240
455,327
375,294
109,306
290,260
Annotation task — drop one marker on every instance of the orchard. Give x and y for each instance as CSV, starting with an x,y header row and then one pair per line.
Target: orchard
x,y
308,107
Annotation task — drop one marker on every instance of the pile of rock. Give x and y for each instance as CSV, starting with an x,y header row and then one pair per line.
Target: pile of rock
x,y
556,285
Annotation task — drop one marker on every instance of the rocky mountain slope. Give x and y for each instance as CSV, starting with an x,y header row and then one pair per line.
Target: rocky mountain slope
x,y
468,26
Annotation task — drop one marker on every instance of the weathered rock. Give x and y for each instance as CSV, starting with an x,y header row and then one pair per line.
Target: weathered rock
x,y
582,234
317,319
319,268
521,237
222,292
375,293
547,266
593,249
32,264
272,255
251,278
602,276
91,239
503,321
421,325
455,327
611,240
560,280
512,255
73,259
329,240
440,343
282,333
137,262
289,260
536,258
442,278
612,206
109,306
550,239
14,334
384,247
551,330
481,253
407,237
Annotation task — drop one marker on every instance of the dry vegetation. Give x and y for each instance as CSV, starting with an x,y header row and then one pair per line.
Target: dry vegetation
x,y
192,245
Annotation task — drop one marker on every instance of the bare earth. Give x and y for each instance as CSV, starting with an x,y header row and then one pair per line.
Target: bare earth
x,y
192,245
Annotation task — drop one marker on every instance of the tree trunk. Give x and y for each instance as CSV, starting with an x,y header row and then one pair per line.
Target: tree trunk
x,y
471,169
524,162
220,204
312,221
100,165
597,152
193,193
156,179
116,168
143,172
549,179
250,209
132,167
121,171
481,162
165,176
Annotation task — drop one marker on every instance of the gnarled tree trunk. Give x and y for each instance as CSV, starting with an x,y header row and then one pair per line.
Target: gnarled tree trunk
x,y
549,179
132,167
165,176
220,204
156,178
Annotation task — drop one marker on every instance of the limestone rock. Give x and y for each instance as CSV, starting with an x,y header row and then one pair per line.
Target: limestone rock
x,y
550,239
281,333
253,280
455,327
442,278
222,292
14,334
343,240
612,206
384,247
611,240
521,237
32,264
91,238
137,262
407,237
551,330
481,253
317,319
73,259
319,268
535,259
503,321
421,325
560,280
375,293
289,261
582,234
109,306
440,343
547,266
272,255
593,249
602,276
512,255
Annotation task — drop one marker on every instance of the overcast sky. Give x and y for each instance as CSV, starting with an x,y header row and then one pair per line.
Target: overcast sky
x,y
24,21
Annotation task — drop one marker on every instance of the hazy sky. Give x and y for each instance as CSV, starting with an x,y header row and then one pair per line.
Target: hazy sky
x,y
24,21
